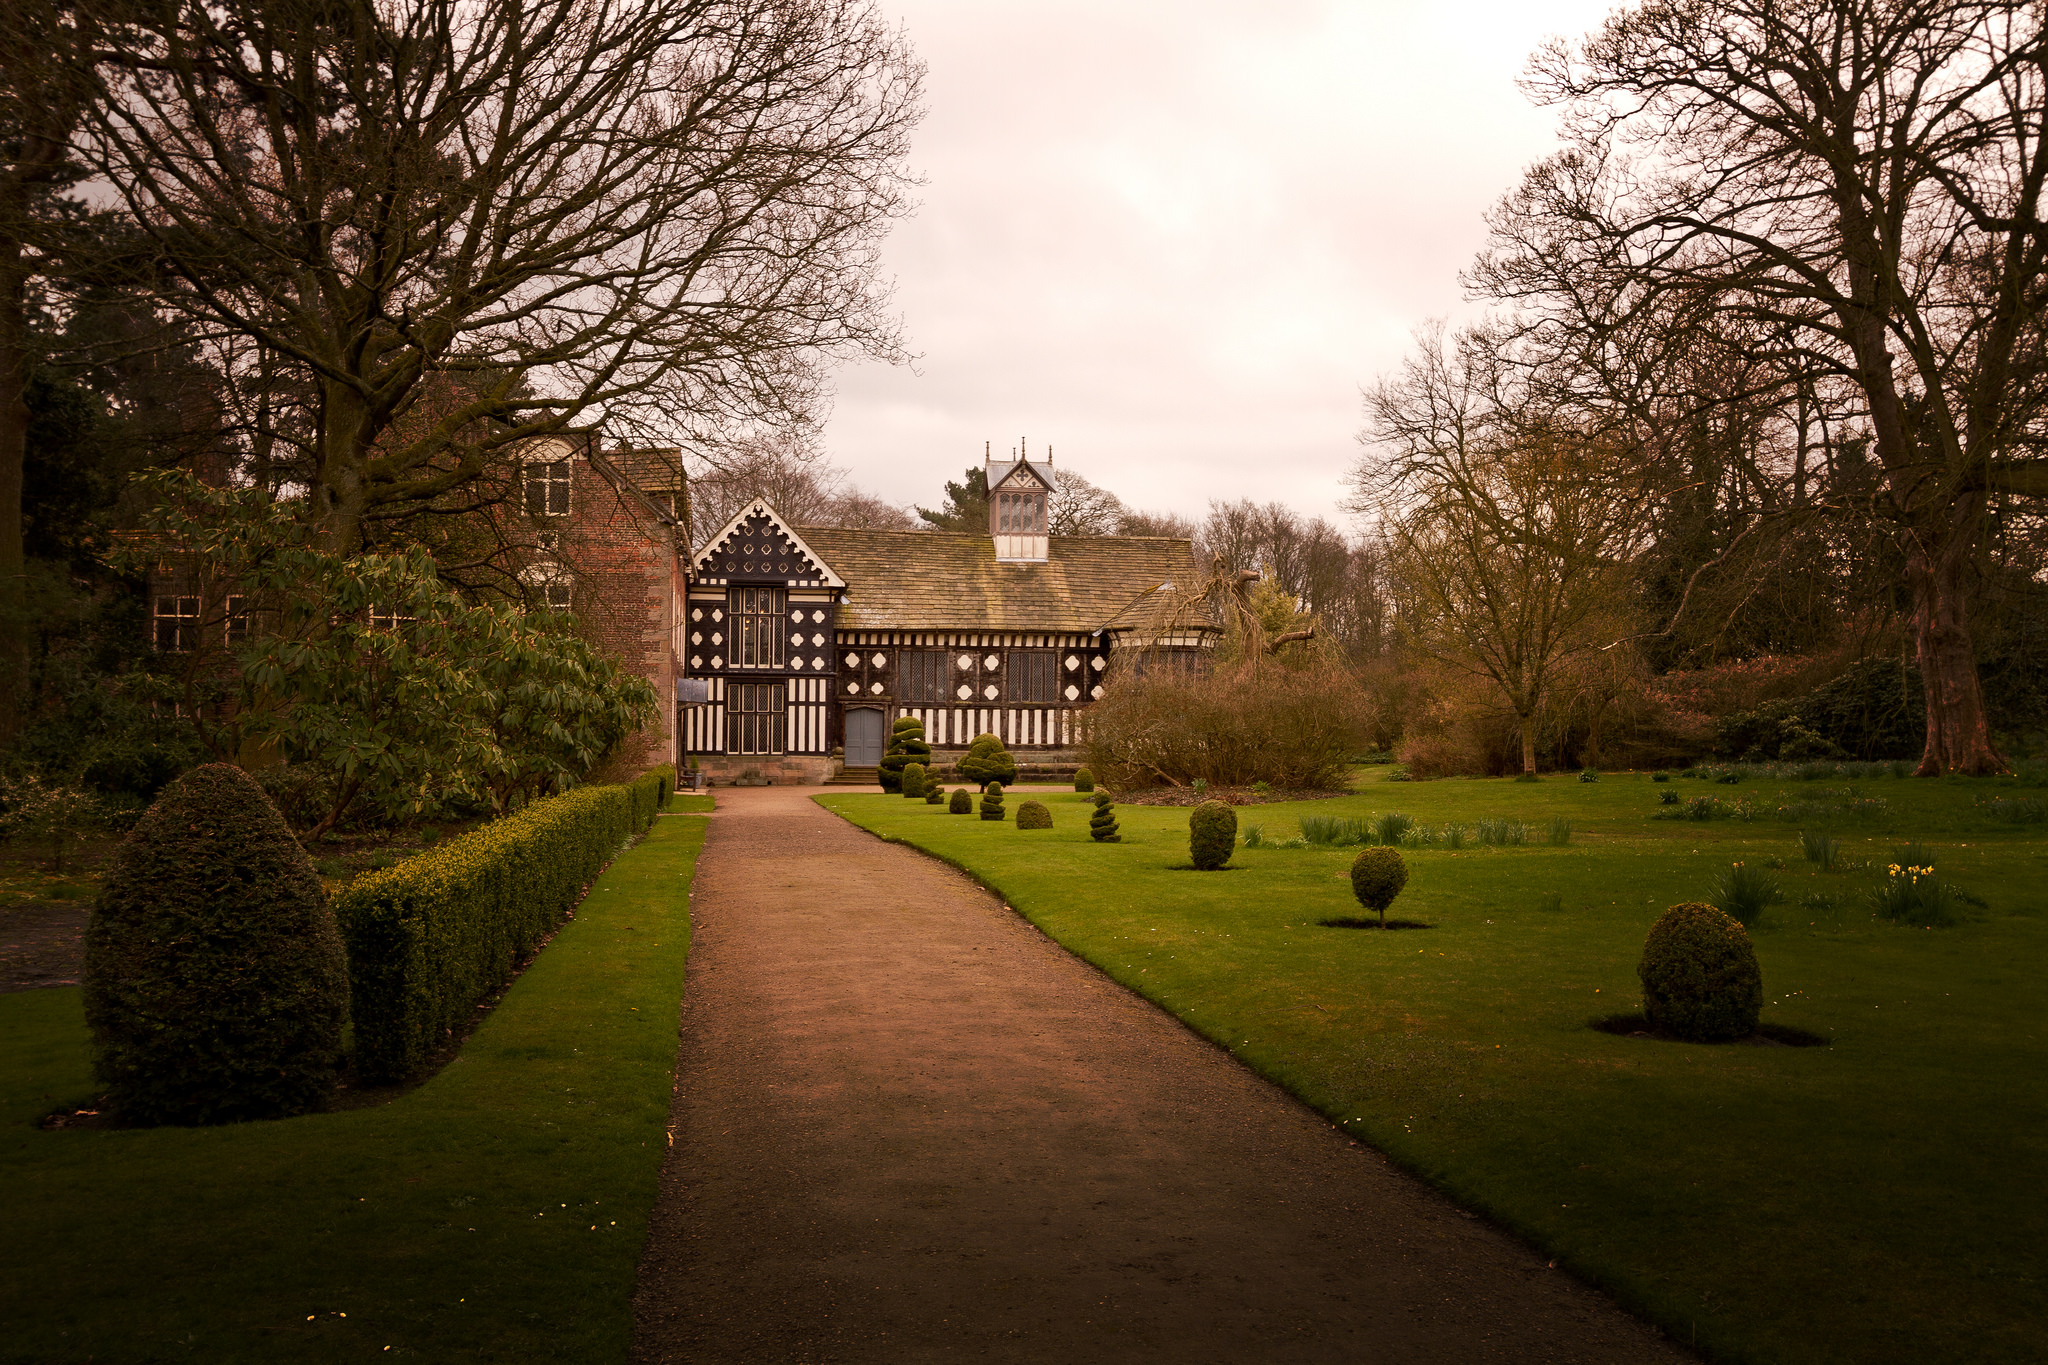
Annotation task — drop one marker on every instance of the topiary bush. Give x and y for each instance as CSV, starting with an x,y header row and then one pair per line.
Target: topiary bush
x,y
1084,781
1102,826
216,987
962,802
1700,977
934,792
906,746
1212,834
1377,876
987,761
913,780
1033,815
992,801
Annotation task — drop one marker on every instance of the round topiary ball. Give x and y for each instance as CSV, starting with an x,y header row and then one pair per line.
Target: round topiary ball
x,y
1212,834
1084,781
962,802
1377,876
215,983
1700,977
1033,815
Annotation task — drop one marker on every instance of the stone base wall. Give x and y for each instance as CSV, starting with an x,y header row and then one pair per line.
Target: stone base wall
x,y
782,770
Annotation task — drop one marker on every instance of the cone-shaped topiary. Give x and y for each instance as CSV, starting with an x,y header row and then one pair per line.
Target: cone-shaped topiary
x,y
1377,876
987,761
992,801
216,987
1102,827
962,802
906,746
913,780
1084,781
1033,815
1700,977
934,792
1212,834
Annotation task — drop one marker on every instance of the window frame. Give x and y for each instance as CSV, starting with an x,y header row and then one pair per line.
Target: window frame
x,y
756,713
1022,668
756,617
924,676
183,623
235,622
551,479
1020,513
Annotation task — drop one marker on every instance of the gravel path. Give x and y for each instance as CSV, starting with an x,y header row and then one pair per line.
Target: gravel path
x,y
908,1127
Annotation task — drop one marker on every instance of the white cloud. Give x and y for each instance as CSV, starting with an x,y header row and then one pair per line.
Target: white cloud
x,y
1172,240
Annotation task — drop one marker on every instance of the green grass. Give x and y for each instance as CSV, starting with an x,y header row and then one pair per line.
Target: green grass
x,y
1876,1200
495,1213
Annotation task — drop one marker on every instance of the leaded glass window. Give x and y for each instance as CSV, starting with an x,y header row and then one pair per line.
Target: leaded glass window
x,y
754,718
758,628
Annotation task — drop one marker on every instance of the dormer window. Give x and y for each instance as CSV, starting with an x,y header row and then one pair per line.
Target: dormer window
x,y
1020,514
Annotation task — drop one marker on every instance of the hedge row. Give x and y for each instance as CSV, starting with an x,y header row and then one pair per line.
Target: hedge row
x,y
430,939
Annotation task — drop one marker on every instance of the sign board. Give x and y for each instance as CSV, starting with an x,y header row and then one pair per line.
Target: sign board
x,y
693,691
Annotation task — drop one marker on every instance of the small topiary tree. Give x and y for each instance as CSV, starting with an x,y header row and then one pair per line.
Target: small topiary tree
x,y
1033,815
1084,781
1212,834
216,987
992,801
1102,827
987,761
913,780
1377,876
906,746
934,791
962,802
1700,976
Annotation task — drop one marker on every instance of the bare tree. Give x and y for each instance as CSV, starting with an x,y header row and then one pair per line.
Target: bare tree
x,y
659,214
788,469
1079,508
1861,180
1509,531
1164,525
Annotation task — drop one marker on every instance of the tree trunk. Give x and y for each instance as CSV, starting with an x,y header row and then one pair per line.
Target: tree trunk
x,y
340,493
1958,734
14,415
1528,742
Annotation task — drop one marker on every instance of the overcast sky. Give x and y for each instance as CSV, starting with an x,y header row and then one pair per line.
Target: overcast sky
x,y
1171,240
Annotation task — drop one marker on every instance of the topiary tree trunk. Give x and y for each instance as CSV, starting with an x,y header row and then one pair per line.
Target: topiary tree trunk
x,y
216,987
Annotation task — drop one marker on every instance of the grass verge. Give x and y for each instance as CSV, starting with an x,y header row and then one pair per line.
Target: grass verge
x,y
495,1213
1868,1201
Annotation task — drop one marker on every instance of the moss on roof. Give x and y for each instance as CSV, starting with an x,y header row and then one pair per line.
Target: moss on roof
x,y
936,580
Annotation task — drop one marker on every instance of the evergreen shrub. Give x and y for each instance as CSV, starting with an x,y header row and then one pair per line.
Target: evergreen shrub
x,y
987,761
1377,876
1084,781
992,801
1700,976
934,792
961,804
906,746
1033,815
216,987
913,780
1102,826
1212,834
430,939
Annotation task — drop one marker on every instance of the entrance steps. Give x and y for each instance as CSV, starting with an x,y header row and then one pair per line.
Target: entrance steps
x,y
855,777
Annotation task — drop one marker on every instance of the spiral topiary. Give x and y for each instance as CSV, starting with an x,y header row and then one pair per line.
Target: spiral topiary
x,y
1212,834
1102,826
1084,781
216,987
1377,876
1700,976
1033,815
962,802
913,780
906,746
992,801
986,761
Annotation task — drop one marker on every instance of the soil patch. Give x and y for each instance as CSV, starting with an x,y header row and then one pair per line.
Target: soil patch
x,y
1766,1035
910,1128
1229,796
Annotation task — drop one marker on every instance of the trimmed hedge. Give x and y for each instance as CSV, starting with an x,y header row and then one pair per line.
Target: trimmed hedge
x,y
962,802
1033,815
430,939
992,801
913,781
1212,834
1084,781
1700,976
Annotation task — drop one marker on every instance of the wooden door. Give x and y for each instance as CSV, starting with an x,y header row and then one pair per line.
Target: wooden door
x,y
864,737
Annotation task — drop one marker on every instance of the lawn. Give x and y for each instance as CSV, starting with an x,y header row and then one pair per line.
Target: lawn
x,y
1878,1199
494,1213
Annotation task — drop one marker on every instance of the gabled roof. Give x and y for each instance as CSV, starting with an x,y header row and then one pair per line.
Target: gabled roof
x,y
936,580
1016,471
757,546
